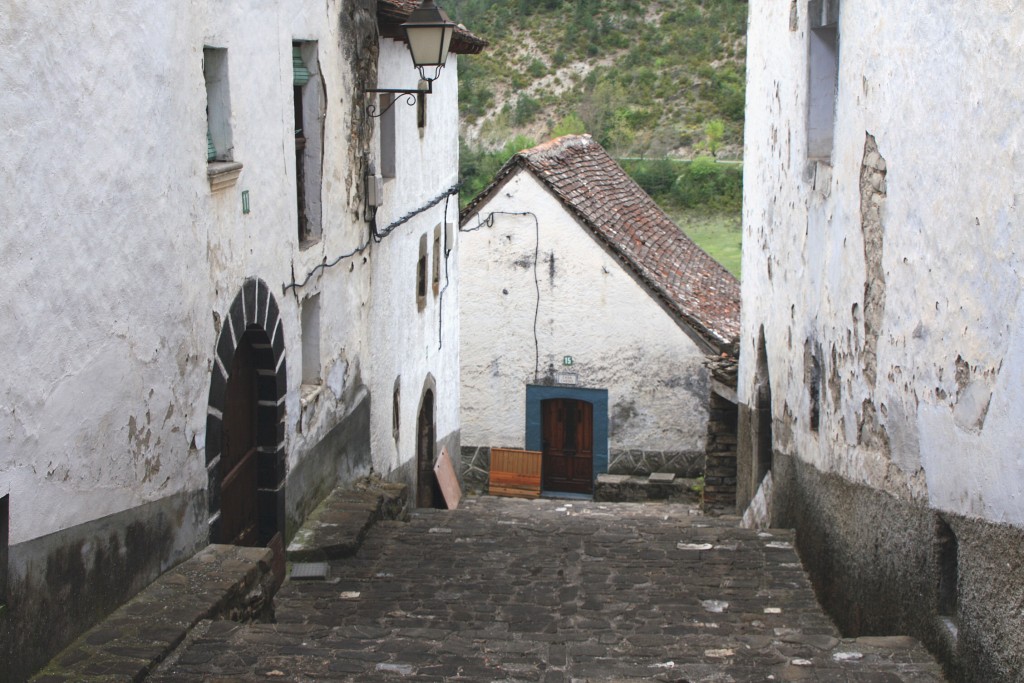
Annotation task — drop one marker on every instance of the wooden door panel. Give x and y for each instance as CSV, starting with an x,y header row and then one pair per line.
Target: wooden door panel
x,y
567,444
238,514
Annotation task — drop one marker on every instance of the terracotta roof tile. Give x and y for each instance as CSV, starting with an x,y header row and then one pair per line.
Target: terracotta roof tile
x,y
577,170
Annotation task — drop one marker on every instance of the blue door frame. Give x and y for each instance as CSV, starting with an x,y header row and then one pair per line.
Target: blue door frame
x,y
598,398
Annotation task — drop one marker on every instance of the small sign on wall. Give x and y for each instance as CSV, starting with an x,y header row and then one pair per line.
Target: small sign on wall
x,y
567,360
570,378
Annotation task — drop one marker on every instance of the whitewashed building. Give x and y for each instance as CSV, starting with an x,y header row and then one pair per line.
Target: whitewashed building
x,y
881,366
206,325
586,318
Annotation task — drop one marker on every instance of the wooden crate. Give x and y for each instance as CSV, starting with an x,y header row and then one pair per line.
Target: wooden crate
x,y
515,473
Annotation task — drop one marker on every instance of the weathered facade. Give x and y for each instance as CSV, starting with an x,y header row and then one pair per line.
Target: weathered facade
x,y
880,370
606,312
205,323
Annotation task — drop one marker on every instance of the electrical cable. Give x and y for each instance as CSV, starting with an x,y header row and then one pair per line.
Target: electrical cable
x,y
377,236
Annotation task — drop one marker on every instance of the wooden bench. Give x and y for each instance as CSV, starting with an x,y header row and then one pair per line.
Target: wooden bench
x,y
515,473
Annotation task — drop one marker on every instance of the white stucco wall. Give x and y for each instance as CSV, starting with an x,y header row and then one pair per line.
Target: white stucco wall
x,y
121,263
404,342
928,83
589,308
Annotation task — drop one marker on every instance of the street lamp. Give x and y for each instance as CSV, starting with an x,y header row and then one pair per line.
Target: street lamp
x,y
428,33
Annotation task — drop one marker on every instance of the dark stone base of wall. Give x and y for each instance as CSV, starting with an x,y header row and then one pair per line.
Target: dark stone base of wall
x,y
343,455
875,562
476,468
620,488
63,583
639,463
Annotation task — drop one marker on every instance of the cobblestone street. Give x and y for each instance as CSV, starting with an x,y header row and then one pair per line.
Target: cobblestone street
x,y
506,589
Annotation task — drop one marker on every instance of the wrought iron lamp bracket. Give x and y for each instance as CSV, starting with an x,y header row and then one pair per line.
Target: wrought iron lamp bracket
x,y
411,97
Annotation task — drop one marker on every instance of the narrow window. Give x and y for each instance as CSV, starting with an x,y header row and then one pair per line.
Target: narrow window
x,y
948,569
311,340
812,378
396,408
307,95
387,136
218,105
5,521
823,77
421,275
436,272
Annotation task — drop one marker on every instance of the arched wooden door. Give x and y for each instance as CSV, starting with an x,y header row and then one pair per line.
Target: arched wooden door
x,y
428,493
567,438
238,498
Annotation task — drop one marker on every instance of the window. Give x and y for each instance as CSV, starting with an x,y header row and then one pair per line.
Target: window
x,y
308,98
218,105
396,408
436,273
421,275
311,340
387,136
5,520
812,378
948,569
823,77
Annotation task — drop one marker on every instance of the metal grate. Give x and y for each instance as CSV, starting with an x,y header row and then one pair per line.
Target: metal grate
x,y
309,570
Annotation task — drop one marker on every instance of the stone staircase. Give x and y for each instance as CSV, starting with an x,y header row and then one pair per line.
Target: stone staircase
x,y
222,582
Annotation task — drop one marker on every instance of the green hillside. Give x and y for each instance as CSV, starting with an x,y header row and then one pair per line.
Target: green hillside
x,y
644,77
656,82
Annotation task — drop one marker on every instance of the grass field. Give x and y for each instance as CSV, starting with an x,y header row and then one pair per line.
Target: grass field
x,y
719,234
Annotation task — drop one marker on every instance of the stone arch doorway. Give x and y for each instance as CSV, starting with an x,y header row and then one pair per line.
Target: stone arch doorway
x,y
245,457
428,492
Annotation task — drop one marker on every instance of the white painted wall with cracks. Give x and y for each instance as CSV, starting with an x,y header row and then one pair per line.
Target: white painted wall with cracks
x,y
120,263
590,308
921,333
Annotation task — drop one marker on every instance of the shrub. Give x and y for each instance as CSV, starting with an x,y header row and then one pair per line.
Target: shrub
x,y
704,183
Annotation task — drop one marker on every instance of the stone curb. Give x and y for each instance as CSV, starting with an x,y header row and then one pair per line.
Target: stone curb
x,y
337,527
221,581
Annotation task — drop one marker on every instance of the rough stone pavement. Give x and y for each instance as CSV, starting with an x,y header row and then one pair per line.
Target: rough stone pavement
x,y
541,590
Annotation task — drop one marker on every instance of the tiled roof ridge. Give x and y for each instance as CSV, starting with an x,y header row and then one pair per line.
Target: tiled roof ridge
x,y
699,290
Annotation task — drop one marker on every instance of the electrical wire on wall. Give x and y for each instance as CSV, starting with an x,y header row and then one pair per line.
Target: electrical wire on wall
x,y
376,236
489,222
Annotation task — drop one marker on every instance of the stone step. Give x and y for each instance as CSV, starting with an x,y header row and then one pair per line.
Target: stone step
x,y
219,582
337,527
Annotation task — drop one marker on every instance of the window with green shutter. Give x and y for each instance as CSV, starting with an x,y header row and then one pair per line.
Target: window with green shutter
x,y
219,146
300,74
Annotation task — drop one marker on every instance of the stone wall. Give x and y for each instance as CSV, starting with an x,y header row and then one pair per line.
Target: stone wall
x,y
720,456
876,562
476,468
639,462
